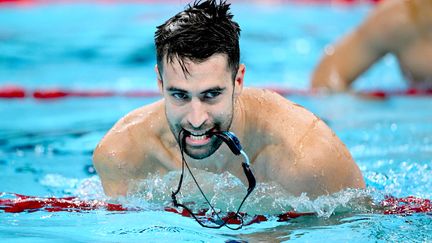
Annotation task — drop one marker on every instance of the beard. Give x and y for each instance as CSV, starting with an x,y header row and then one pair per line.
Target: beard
x,y
205,151
181,131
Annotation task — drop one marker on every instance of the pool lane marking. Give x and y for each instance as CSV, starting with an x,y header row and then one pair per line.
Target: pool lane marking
x,y
18,203
18,92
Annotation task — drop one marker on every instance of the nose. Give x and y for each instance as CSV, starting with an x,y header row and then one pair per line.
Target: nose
x,y
198,114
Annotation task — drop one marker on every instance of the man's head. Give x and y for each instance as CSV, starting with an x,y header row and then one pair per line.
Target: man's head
x,y
199,74
203,29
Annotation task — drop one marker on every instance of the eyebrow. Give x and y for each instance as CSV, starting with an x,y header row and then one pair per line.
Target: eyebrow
x,y
217,88
220,89
173,89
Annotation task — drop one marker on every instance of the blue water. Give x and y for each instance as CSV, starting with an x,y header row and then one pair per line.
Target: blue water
x,y
46,146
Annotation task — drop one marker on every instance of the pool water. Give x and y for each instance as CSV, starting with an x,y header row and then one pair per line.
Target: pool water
x,y
46,145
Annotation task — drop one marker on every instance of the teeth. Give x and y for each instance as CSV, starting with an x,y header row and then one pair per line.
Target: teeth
x,y
194,137
197,134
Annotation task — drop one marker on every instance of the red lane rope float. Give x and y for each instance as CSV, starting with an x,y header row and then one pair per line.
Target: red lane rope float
x,y
17,92
23,203
231,218
19,2
406,206
16,203
12,92
58,93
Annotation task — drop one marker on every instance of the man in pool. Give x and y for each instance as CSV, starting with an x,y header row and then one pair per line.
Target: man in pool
x,y
201,81
399,27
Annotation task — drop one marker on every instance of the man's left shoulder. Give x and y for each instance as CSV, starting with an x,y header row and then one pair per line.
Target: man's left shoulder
x,y
284,119
275,104
259,97
257,92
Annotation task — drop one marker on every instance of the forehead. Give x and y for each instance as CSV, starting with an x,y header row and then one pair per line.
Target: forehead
x,y
213,69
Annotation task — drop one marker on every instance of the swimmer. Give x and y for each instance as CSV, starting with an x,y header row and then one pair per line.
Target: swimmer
x,y
201,80
399,27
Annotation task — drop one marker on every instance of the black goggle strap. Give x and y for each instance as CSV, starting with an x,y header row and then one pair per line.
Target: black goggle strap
x,y
181,143
177,204
234,144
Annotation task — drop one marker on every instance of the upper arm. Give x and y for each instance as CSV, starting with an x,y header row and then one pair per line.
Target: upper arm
x,y
114,180
117,159
129,151
318,163
327,162
356,51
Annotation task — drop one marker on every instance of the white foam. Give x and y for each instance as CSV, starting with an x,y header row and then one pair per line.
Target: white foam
x,y
225,192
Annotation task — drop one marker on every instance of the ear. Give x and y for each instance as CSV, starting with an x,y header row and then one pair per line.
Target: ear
x,y
159,79
238,82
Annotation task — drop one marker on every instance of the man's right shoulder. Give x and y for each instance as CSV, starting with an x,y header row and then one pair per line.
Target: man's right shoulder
x,y
129,137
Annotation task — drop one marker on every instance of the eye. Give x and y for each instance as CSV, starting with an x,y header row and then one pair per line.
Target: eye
x,y
180,96
211,95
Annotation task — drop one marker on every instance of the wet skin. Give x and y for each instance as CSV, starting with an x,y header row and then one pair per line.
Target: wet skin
x,y
285,142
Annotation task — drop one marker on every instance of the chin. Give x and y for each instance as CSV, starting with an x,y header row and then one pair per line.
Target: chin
x,y
195,154
203,152
198,156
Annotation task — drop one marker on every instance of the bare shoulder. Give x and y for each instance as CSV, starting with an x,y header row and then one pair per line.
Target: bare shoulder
x,y
271,100
274,113
128,132
302,152
284,122
391,22
131,141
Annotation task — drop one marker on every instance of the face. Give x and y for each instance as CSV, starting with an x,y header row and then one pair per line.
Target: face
x,y
200,102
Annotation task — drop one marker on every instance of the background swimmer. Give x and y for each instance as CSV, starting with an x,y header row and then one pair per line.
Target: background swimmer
x,y
400,27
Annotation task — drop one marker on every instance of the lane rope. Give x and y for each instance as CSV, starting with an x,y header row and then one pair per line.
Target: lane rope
x,y
17,92
17,203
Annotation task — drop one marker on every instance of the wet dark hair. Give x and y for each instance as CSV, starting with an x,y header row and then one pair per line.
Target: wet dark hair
x,y
203,29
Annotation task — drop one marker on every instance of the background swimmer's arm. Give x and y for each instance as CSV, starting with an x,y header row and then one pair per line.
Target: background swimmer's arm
x,y
357,51
342,64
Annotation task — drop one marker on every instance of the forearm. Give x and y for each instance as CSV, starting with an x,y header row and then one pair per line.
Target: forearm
x,y
327,76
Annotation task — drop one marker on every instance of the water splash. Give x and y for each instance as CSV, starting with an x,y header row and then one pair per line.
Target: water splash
x,y
88,188
226,191
406,179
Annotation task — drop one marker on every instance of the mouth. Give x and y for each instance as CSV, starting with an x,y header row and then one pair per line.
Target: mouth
x,y
197,138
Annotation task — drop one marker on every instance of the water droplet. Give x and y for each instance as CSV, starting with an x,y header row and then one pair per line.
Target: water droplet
x,y
329,50
39,149
20,153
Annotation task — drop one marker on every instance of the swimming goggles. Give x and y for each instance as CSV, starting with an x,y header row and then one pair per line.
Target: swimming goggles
x,y
234,144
